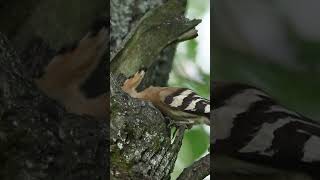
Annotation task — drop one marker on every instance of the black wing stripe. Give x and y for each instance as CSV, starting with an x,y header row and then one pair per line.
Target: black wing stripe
x,y
169,99
191,103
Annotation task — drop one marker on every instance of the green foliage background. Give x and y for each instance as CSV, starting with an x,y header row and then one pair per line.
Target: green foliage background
x,y
294,86
196,141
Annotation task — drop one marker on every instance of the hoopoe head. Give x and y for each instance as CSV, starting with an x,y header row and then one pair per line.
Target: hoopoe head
x,y
130,85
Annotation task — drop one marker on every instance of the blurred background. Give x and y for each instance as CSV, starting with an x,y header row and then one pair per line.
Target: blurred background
x,y
191,69
274,45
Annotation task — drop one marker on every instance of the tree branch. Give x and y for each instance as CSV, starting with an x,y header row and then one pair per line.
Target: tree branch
x,y
198,170
156,30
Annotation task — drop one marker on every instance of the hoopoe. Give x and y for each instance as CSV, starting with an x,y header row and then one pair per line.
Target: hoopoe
x,y
249,125
182,105
71,67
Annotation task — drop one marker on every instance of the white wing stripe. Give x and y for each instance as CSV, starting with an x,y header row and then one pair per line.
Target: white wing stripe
x,y
178,100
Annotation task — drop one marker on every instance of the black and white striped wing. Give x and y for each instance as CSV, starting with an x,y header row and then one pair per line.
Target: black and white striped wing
x,y
188,101
250,125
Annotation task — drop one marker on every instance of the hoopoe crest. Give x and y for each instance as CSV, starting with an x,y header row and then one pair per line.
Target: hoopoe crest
x,y
68,70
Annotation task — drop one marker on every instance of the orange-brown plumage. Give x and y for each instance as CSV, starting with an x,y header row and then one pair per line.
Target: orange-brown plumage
x,y
159,98
68,70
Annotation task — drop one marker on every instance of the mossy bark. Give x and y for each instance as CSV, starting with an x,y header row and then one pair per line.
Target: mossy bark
x,y
140,141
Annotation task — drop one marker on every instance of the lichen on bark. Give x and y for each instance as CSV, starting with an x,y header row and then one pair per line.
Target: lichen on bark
x,y
141,146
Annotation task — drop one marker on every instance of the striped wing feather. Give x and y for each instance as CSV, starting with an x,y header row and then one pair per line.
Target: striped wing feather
x,y
188,101
252,126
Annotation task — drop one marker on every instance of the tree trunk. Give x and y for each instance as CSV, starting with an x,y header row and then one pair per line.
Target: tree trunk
x,y
38,138
140,140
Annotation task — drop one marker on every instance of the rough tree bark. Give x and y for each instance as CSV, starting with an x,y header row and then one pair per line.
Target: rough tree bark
x,y
38,138
140,142
124,16
198,170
